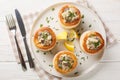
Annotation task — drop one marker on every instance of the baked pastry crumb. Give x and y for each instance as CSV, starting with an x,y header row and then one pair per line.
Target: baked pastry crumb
x,y
92,42
45,38
64,62
69,16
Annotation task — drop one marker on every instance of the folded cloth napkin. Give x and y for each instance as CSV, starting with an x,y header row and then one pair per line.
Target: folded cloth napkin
x,y
28,20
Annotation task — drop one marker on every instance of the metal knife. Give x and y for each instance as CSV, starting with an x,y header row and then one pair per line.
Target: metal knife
x,y
23,32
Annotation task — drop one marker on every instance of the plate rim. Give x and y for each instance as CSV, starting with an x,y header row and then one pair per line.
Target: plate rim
x,y
59,3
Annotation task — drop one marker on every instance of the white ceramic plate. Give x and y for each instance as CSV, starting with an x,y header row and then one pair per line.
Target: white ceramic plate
x,y
49,17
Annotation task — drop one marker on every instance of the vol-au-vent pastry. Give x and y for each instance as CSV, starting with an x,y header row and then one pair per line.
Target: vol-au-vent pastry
x,y
69,16
45,38
64,62
92,42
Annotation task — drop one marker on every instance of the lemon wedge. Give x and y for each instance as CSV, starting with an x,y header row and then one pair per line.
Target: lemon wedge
x,y
72,35
62,36
69,37
69,45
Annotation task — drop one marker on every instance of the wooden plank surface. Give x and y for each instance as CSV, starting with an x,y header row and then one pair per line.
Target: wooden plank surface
x,y
13,71
105,71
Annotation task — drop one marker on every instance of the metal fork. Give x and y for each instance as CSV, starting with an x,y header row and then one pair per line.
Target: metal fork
x,y
12,27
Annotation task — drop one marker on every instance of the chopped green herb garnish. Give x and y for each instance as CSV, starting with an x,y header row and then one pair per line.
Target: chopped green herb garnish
x,y
46,18
45,36
96,44
80,63
77,55
87,57
37,51
76,73
80,51
72,39
52,18
41,25
90,25
70,16
79,34
70,66
48,21
44,53
83,22
82,16
83,58
56,21
64,58
50,65
53,9
56,29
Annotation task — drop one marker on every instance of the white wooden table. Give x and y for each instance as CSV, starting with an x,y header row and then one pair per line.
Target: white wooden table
x,y
109,10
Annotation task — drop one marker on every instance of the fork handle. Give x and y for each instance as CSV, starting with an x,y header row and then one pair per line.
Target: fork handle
x,y
30,60
20,56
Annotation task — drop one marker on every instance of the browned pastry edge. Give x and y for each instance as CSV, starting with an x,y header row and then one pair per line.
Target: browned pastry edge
x,y
56,58
69,24
84,39
36,42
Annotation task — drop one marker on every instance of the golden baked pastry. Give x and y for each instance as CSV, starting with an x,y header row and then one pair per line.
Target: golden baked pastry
x,y
64,62
91,42
69,16
45,38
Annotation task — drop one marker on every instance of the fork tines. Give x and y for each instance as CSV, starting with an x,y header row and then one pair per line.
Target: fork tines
x,y
10,21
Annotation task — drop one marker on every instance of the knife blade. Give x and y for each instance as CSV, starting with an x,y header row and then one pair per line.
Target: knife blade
x,y
23,32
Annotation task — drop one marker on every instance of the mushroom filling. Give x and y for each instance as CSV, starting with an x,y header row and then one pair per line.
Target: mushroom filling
x,y
93,42
69,15
65,62
45,38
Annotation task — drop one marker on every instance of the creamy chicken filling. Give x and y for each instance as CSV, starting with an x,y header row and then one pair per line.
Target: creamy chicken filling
x,y
93,42
69,15
45,38
65,62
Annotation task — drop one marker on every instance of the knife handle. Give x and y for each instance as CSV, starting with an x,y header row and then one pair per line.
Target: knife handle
x,y
30,60
20,56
